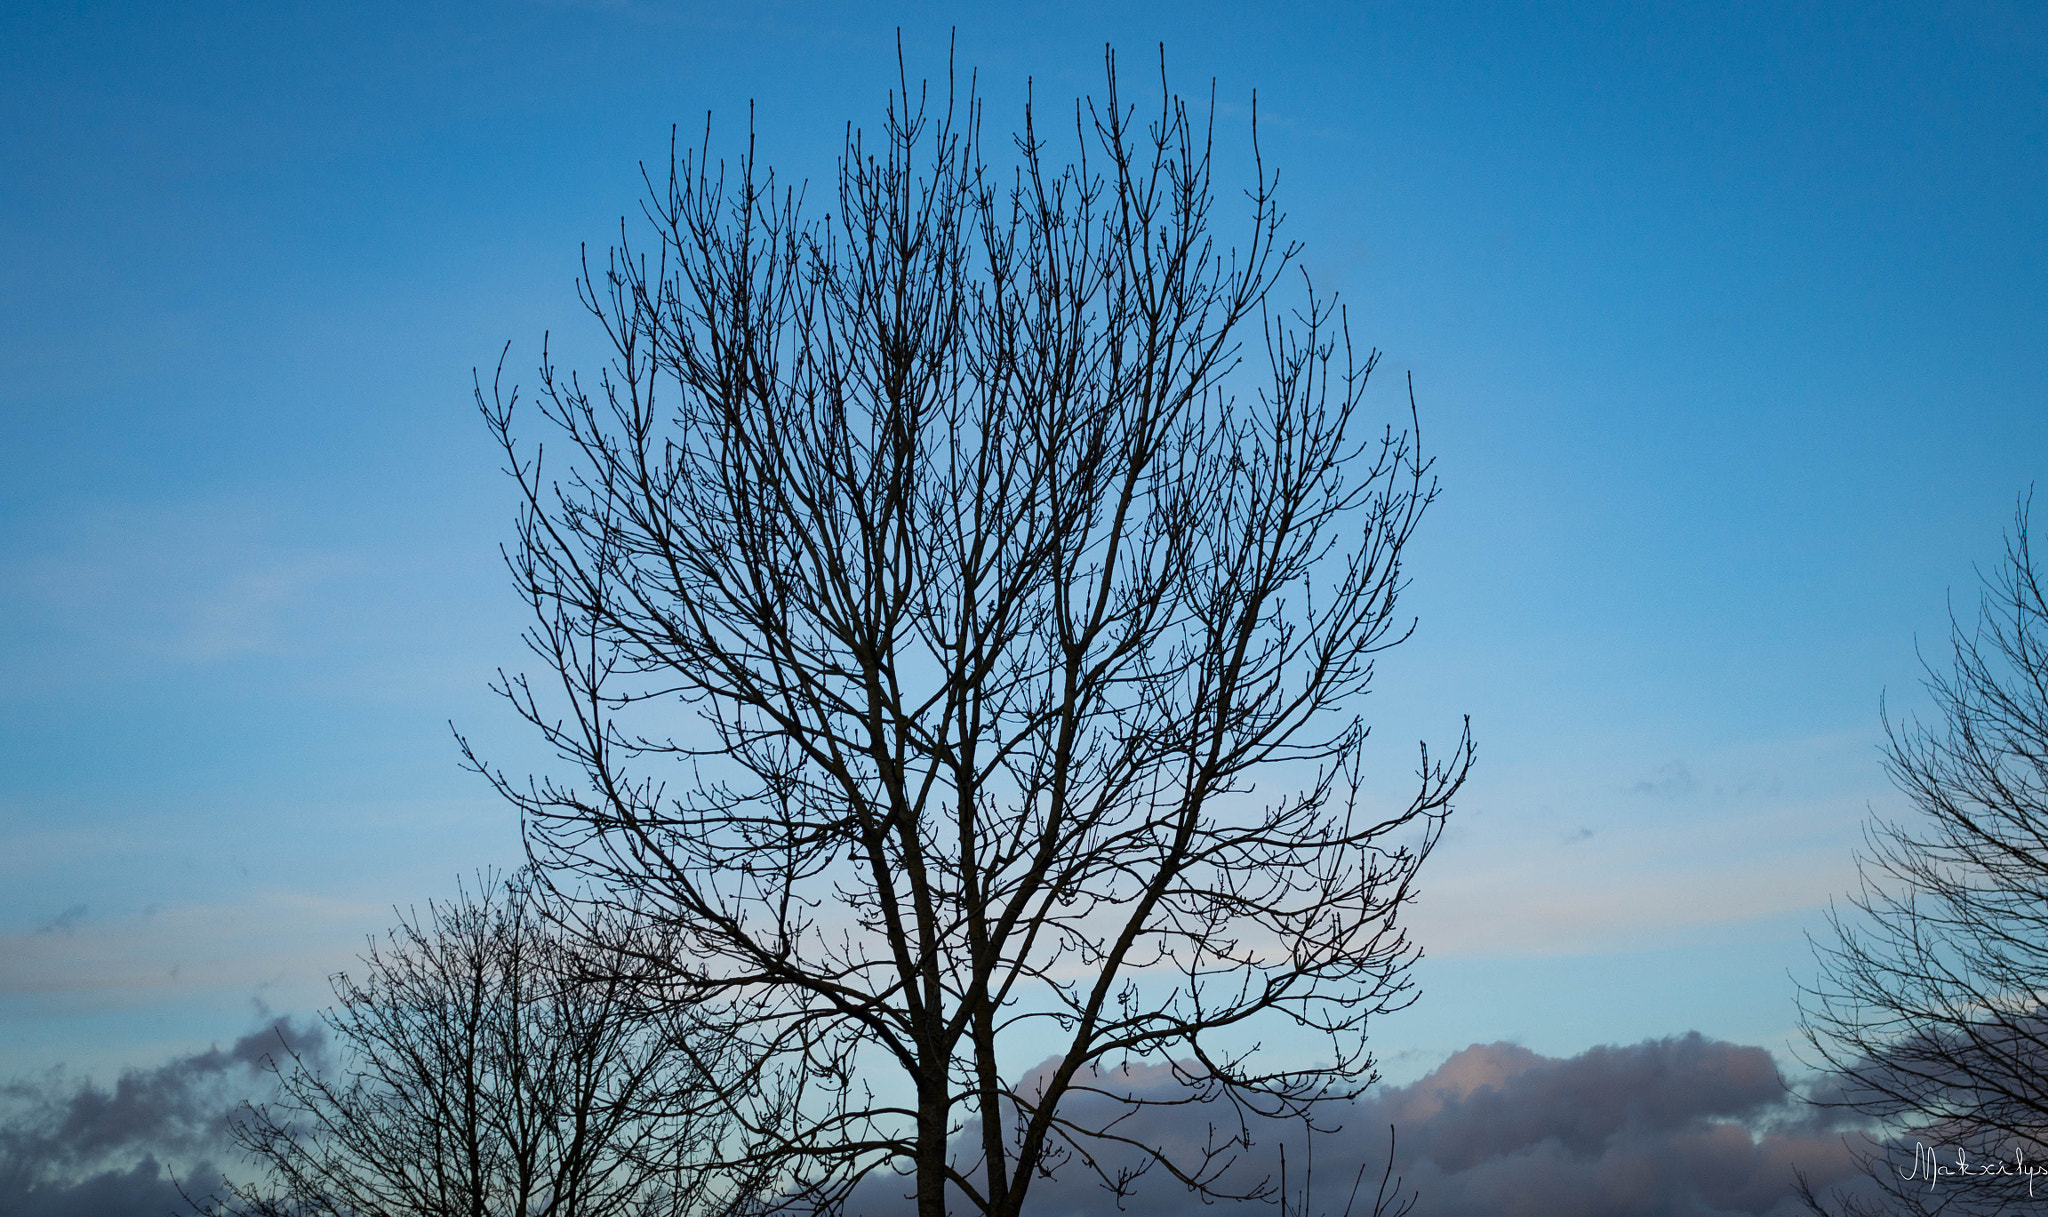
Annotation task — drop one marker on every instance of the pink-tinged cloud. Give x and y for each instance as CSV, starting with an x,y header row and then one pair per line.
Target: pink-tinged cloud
x,y
1678,1127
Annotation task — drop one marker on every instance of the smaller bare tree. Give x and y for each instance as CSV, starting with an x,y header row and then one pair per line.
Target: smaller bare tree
x,y
485,1068
1931,1010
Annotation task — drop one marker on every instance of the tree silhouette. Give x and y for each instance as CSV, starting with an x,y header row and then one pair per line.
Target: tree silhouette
x,y
1930,1010
485,1067
1023,624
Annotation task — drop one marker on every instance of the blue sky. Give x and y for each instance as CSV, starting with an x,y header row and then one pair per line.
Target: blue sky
x,y
1727,329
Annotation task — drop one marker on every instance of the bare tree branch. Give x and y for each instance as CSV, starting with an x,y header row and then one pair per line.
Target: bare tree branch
x,y
487,1068
1931,1010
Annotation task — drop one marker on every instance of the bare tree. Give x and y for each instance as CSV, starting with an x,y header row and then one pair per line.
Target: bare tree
x,y
483,1067
1024,625
1931,1010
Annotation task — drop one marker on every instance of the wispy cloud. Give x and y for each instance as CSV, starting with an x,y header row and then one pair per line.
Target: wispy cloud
x,y
192,583
1670,779
64,922
275,937
1588,863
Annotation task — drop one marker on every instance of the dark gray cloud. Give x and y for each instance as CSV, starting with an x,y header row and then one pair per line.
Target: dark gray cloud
x,y
1679,1127
77,1149
1685,1126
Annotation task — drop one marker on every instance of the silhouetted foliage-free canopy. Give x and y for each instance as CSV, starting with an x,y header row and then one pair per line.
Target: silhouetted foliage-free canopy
x,y
1931,1010
483,1066
1024,616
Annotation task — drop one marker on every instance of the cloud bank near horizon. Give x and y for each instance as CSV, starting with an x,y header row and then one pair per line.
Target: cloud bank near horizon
x,y
1677,1127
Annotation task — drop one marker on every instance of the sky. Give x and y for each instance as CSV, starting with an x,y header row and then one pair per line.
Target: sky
x,y
1724,323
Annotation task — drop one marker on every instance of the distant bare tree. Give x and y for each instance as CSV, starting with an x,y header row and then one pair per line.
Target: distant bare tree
x,y
1931,1011
483,1067
1026,625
